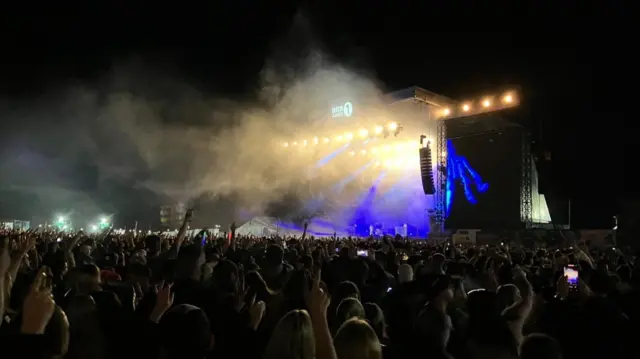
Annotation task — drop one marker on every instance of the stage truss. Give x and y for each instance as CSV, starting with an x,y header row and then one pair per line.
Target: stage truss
x,y
436,104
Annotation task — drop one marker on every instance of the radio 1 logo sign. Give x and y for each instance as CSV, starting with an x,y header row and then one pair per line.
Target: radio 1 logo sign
x,y
343,110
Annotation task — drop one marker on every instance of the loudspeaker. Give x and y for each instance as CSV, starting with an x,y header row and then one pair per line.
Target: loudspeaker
x,y
426,170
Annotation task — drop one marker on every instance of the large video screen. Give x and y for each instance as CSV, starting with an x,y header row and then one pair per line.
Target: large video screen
x,y
483,186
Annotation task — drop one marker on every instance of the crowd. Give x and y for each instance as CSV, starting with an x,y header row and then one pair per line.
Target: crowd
x,y
120,296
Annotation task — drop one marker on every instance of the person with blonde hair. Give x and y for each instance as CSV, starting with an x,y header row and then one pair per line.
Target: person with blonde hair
x,y
292,338
357,340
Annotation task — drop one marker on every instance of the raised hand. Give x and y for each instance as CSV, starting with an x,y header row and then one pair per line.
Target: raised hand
x,y
38,306
256,312
316,298
164,301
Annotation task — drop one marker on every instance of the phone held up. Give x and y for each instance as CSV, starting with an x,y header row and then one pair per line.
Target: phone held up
x,y
571,273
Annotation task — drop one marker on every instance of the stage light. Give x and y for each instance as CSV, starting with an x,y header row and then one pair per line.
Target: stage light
x,y
363,152
377,163
399,147
286,144
338,138
466,107
446,112
61,219
295,143
103,220
386,148
486,103
304,143
363,133
378,130
508,98
393,126
374,150
315,140
348,136
326,140
352,153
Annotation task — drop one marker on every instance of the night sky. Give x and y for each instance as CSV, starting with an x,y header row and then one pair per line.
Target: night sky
x,y
570,62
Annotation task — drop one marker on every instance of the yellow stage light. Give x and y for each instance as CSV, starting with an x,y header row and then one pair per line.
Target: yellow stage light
x,y
352,153
286,144
338,138
315,140
466,107
508,98
348,136
378,130
377,163
326,140
374,150
486,103
399,147
363,152
304,143
295,143
393,126
363,133
446,112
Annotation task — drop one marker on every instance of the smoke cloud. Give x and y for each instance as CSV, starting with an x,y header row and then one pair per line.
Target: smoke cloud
x,y
156,132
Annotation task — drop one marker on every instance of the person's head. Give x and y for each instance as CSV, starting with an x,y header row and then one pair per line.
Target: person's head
x,y
486,326
356,339
347,309
292,338
405,273
274,255
185,333
540,346
153,243
347,289
375,317
88,278
438,288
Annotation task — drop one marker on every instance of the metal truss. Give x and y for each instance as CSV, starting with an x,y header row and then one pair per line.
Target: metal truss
x,y
441,174
526,188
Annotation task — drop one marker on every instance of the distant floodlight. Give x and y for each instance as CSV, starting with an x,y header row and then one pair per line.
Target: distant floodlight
x,y
61,219
352,153
304,143
508,98
363,152
348,136
295,143
103,220
446,112
338,138
393,126
286,144
486,103
378,130
377,163
315,140
326,140
466,107
94,228
363,133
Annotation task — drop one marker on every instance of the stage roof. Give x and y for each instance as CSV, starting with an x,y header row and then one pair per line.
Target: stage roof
x,y
456,127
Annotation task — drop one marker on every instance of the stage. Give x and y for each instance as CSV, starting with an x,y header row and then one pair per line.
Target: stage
x,y
363,175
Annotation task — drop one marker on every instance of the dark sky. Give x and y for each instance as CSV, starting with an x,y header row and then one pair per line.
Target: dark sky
x,y
569,60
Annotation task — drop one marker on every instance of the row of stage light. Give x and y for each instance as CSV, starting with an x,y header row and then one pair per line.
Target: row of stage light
x,y
486,104
363,133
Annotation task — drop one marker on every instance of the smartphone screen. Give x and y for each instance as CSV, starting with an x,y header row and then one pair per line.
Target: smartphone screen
x,y
572,275
388,289
362,253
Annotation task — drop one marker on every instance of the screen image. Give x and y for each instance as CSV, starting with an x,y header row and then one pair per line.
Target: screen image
x,y
483,181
